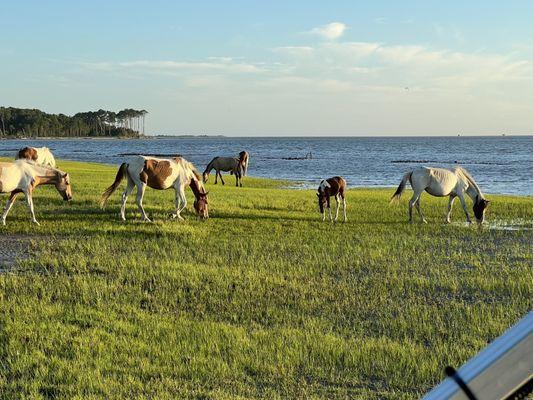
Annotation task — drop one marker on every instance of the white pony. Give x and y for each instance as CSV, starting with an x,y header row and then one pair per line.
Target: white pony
x,y
41,155
24,176
161,174
455,182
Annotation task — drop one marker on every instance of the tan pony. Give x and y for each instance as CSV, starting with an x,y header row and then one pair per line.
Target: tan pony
x,y
24,176
237,166
160,174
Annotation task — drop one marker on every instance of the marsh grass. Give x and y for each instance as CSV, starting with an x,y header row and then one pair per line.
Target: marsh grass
x,y
262,300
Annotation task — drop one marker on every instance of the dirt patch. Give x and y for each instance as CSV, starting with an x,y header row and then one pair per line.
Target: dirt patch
x,y
14,248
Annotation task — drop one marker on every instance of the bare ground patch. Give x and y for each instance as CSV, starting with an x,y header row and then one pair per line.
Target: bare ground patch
x,y
14,247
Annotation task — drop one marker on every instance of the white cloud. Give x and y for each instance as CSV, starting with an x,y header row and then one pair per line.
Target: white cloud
x,y
216,64
330,31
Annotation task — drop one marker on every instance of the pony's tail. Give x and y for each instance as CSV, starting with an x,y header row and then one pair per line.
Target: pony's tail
x,y
122,171
401,187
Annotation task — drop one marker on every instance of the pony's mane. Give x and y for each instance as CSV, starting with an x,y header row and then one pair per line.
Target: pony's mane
x,y
38,166
470,179
189,165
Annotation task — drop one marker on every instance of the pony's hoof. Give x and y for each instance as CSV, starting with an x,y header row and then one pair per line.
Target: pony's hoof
x,y
36,223
4,222
424,221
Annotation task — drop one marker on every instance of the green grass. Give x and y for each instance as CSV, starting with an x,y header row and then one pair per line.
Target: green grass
x,y
263,300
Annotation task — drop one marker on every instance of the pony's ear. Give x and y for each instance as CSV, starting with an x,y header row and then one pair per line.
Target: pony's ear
x,y
65,176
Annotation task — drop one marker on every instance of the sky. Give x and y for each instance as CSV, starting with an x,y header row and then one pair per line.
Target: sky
x,y
277,68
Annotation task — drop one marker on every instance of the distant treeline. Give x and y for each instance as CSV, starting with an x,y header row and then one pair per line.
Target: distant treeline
x,y
21,122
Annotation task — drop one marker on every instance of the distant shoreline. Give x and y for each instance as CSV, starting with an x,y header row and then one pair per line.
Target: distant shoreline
x,y
165,137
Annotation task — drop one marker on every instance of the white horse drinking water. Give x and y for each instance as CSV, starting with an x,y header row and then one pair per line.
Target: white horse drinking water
x,y
24,176
160,174
455,182
41,155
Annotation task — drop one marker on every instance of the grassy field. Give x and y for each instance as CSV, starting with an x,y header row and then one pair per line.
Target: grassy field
x,y
263,300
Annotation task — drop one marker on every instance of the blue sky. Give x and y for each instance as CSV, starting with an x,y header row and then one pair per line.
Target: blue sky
x,y
277,67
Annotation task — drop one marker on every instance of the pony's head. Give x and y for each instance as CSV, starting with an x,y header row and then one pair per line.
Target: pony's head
x,y
62,185
322,201
205,176
201,207
480,206
322,195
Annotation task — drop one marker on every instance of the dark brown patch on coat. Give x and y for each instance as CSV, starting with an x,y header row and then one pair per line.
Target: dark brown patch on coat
x,y
155,173
28,153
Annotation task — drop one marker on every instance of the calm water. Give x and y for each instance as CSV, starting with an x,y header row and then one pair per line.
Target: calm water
x,y
499,164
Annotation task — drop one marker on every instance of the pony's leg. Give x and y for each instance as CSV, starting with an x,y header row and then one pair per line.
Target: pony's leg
x,y
29,200
127,192
140,194
338,205
221,179
216,176
463,203
417,204
450,205
344,207
181,202
412,202
329,211
9,204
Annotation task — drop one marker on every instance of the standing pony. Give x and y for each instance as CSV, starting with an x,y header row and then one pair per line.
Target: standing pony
x,y
237,166
439,182
160,174
336,187
24,176
41,155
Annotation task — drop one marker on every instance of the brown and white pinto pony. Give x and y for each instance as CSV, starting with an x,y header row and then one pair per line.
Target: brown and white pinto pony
x,y
24,176
237,166
160,174
336,187
41,155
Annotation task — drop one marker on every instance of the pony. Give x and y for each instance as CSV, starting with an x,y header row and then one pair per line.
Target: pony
x,y
160,174
336,187
24,176
237,166
440,182
41,155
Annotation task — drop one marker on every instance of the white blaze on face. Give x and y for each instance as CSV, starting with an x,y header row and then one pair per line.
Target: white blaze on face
x,y
323,185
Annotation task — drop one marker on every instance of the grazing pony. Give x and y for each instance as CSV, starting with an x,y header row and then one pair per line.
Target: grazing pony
x,y
24,176
336,187
237,166
440,182
41,155
160,174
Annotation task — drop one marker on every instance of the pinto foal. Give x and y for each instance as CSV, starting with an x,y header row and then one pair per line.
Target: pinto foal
x,y
336,187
